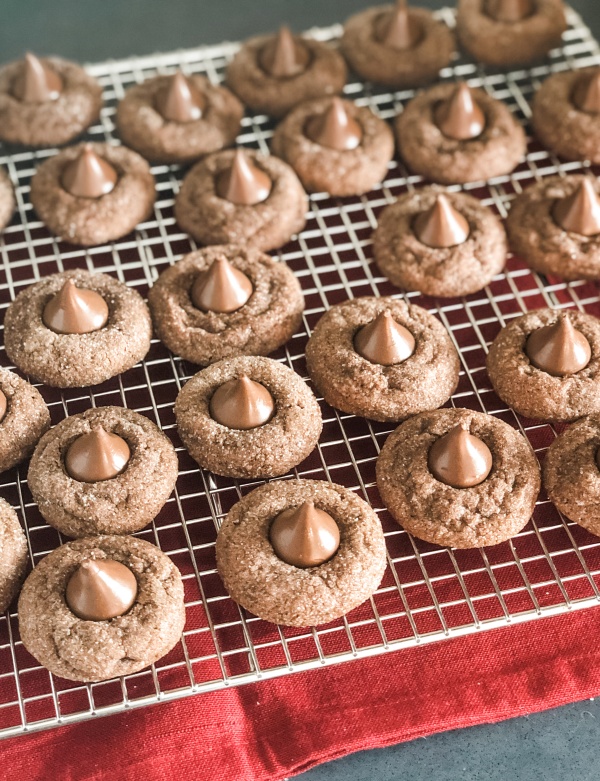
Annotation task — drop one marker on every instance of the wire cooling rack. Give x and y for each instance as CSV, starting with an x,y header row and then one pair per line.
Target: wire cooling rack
x,y
428,593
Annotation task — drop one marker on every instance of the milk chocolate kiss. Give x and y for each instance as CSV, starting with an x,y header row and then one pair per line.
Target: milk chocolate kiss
x,y
384,341
97,456
37,82
586,95
510,11
180,100
580,211
221,288
441,225
335,128
397,29
88,175
283,56
460,459
559,349
3,405
242,404
75,310
243,183
460,117
304,536
99,590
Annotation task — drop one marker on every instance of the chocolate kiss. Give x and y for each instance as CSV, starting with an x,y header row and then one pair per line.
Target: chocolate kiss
x,y
97,456
586,95
304,536
384,341
243,183
441,225
559,349
99,590
509,10
221,288
75,310
460,459
283,57
3,405
460,117
398,29
335,128
180,100
580,211
37,83
88,175
242,404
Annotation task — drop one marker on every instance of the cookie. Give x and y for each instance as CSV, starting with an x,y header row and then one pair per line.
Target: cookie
x,y
335,146
7,199
571,473
24,417
264,315
273,73
522,376
248,417
13,554
513,33
440,243
74,358
484,513
93,193
44,102
387,387
176,119
86,484
95,650
396,45
243,198
565,114
480,138
536,235
276,591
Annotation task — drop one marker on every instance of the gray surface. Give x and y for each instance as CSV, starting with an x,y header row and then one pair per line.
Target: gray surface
x,y
553,746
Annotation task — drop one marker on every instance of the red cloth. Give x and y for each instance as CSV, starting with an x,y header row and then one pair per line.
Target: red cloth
x,y
284,726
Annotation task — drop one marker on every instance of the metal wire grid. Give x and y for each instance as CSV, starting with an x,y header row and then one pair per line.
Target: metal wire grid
x,y
428,593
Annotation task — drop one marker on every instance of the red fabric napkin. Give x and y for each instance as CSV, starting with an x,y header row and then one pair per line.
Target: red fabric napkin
x,y
281,727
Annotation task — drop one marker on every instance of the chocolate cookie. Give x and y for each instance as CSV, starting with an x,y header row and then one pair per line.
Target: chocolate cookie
x,y
93,193
396,45
335,146
513,362
243,198
484,513
63,354
503,33
481,139
13,554
47,101
565,114
23,419
537,236
86,484
266,585
248,417
273,73
7,199
81,649
419,372
263,316
440,243
175,119
571,473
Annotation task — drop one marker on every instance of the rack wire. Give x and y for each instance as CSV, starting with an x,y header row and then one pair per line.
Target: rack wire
x,y
428,593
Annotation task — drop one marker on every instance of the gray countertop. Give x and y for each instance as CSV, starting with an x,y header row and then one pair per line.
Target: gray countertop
x,y
555,745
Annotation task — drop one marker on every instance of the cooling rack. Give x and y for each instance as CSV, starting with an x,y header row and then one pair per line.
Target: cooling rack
x,y
428,593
